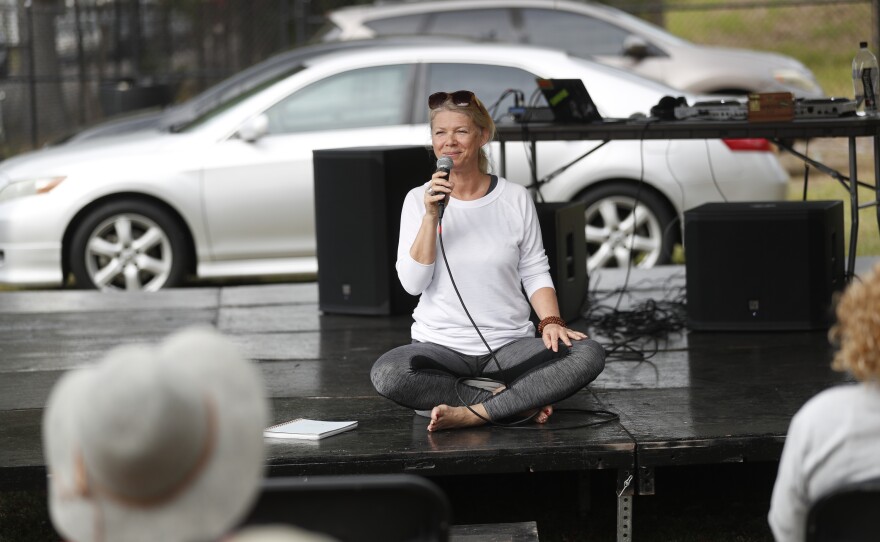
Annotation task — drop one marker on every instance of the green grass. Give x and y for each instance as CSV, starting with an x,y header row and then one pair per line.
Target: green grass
x,y
868,242
824,38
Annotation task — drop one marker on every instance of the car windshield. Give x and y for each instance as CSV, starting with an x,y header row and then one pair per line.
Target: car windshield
x,y
239,84
244,82
269,68
223,105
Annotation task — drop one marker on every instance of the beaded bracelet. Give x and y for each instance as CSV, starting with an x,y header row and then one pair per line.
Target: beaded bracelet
x,y
549,320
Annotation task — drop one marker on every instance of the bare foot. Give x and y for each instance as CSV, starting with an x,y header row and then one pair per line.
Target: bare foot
x,y
544,414
448,417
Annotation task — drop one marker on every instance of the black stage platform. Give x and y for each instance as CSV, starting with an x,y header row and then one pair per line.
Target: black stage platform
x,y
704,399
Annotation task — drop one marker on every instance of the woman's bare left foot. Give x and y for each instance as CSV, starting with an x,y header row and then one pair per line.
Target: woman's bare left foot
x,y
544,414
448,417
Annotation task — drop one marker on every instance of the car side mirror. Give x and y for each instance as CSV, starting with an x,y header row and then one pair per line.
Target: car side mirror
x,y
635,47
254,128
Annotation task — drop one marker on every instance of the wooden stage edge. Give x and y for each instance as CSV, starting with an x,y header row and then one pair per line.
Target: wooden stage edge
x,y
699,398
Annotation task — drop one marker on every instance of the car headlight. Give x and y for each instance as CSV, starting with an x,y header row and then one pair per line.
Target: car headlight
x,y
29,187
796,79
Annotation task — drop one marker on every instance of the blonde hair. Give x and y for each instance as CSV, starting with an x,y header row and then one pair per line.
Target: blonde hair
x,y
857,330
478,114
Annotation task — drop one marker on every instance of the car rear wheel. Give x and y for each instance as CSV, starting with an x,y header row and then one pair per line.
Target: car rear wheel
x,y
128,245
624,222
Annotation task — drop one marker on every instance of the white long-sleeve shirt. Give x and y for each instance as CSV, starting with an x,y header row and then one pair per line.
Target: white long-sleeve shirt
x,y
495,250
833,440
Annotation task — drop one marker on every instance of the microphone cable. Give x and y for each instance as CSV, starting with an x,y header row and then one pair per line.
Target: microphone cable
x,y
636,200
608,415
628,331
712,171
501,371
635,334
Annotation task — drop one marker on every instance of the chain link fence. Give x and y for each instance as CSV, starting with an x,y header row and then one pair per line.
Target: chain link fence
x,y
65,64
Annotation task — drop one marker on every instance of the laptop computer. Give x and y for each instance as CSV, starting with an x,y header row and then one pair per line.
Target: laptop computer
x,y
569,100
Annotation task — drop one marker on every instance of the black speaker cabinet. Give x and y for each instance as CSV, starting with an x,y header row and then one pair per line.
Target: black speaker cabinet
x,y
763,265
359,193
562,230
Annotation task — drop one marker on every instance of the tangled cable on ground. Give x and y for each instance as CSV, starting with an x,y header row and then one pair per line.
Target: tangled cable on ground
x,y
635,334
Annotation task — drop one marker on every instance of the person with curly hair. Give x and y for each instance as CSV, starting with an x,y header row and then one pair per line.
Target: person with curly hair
x,y
834,438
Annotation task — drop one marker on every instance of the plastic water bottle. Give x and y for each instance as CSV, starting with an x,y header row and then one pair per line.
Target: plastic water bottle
x,y
866,81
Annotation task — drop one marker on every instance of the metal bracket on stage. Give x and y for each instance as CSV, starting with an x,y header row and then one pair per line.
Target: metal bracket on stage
x,y
630,484
625,492
646,481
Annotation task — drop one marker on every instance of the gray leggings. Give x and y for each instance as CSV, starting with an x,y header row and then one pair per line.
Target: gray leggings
x,y
423,375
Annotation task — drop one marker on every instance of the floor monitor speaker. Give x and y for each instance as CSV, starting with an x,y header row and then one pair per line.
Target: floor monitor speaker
x,y
562,230
359,193
763,265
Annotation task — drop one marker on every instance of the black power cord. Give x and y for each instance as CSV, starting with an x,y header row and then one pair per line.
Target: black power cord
x,y
489,348
606,416
635,334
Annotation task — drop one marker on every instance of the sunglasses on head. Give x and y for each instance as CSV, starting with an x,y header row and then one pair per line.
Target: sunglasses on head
x,y
461,98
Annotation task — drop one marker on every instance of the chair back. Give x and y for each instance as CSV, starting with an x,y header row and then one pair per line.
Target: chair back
x,y
846,514
362,508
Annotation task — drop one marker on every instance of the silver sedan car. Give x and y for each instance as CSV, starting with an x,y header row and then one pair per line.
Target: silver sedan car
x,y
230,191
586,29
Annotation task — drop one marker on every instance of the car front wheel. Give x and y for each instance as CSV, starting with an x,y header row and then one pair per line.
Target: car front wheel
x,y
623,223
128,245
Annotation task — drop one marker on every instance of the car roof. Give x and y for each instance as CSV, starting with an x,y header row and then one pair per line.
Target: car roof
x,y
350,17
275,66
377,50
386,9
235,85
479,52
604,82
511,54
327,57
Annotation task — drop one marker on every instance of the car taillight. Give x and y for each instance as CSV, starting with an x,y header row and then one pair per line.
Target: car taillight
x,y
748,144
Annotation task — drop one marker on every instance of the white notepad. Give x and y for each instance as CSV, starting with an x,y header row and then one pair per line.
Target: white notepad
x,y
303,428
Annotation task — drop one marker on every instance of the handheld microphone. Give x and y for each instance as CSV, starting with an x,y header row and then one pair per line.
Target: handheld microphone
x,y
444,164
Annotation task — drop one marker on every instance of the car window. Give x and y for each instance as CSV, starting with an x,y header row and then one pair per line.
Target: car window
x,y
355,99
488,82
481,24
405,24
578,34
236,88
189,116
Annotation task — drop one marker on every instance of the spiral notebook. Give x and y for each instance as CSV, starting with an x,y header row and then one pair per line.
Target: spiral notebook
x,y
303,428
